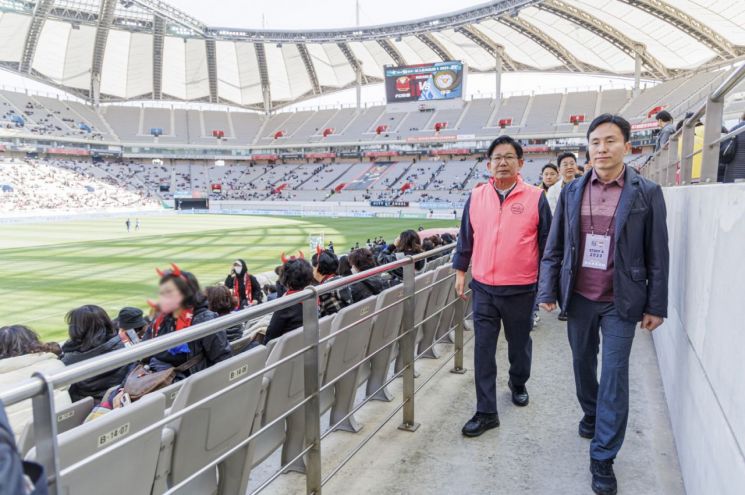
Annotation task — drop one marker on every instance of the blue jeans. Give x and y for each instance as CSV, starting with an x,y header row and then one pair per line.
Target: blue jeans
x,y
608,400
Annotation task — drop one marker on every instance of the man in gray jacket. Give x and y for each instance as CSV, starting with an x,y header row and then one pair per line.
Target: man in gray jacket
x,y
667,129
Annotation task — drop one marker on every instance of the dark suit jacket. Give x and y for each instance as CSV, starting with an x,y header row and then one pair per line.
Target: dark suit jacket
x,y
641,267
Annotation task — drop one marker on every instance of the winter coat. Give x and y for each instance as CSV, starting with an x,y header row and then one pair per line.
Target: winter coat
x,y
367,288
97,385
256,292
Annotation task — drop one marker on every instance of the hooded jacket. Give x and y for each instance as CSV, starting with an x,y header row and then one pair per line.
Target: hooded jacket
x,y
368,287
256,291
97,385
215,347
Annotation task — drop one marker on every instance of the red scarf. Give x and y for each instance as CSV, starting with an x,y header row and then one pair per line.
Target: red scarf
x,y
183,321
247,286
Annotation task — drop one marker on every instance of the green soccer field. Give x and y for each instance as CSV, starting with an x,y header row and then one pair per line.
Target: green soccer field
x,y
48,269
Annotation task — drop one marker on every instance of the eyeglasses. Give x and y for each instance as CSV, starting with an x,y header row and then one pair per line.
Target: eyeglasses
x,y
499,158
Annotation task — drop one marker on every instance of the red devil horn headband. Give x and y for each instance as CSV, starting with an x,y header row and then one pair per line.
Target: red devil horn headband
x,y
285,259
319,249
175,271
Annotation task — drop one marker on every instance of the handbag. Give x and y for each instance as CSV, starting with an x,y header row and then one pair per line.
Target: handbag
x,y
141,380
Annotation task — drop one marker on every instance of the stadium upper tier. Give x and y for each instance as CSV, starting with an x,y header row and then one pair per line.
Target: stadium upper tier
x,y
543,115
109,50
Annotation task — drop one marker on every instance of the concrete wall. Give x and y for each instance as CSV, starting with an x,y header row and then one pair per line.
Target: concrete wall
x,y
701,347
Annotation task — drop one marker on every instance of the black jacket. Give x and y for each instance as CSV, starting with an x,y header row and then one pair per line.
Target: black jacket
x,y
369,287
283,321
256,292
640,273
215,347
93,387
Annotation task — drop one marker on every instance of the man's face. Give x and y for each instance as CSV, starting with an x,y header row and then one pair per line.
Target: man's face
x,y
550,176
568,168
660,123
607,147
504,163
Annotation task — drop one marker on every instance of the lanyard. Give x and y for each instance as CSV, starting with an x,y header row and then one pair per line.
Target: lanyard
x,y
592,220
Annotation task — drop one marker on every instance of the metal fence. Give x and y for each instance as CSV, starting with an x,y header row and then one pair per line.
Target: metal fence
x,y
673,164
40,387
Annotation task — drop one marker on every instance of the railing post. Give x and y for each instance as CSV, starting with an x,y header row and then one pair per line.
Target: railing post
x,y
407,347
673,159
45,433
686,158
313,406
712,132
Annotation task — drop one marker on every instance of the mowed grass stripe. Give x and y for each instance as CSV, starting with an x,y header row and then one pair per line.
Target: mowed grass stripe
x,y
51,268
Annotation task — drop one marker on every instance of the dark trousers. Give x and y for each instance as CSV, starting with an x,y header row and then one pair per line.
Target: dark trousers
x,y
489,311
608,400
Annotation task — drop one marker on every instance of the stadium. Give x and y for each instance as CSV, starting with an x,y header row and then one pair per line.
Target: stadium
x,y
321,178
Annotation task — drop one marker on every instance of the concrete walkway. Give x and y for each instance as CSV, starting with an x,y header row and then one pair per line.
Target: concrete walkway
x,y
536,450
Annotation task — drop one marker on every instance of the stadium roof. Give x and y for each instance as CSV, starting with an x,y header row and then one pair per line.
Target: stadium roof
x,y
147,49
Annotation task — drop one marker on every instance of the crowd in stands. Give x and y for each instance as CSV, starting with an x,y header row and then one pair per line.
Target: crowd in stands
x,y
37,119
32,184
181,303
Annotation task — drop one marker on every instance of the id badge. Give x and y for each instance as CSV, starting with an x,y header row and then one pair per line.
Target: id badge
x,y
596,252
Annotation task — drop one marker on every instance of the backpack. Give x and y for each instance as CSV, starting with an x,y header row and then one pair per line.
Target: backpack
x,y
17,477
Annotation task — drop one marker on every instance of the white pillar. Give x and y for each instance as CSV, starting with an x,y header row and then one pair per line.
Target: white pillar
x,y
638,48
498,73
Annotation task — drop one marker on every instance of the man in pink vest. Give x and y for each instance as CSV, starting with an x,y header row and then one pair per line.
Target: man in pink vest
x,y
502,235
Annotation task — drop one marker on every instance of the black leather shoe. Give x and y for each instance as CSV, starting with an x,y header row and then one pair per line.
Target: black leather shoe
x,y
603,478
479,423
587,427
563,318
519,394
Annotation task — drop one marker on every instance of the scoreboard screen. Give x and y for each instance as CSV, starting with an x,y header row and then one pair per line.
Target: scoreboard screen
x,y
424,82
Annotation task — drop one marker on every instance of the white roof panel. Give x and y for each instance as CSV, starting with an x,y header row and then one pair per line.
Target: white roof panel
x,y
521,48
13,29
174,68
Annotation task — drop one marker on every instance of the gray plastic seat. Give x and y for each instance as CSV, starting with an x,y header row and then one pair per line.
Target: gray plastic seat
x,y
437,299
127,470
386,326
346,350
207,432
421,283
68,418
284,389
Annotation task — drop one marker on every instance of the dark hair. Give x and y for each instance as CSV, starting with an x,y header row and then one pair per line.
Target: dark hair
x,y
89,326
362,259
566,154
326,262
608,118
220,299
345,268
505,140
551,166
18,340
587,156
664,116
188,285
296,274
427,244
409,242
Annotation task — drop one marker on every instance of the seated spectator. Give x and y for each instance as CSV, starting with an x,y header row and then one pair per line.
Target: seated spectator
x,y
270,291
221,300
181,304
407,244
280,289
361,260
296,275
92,334
131,324
325,265
345,269
244,285
21,355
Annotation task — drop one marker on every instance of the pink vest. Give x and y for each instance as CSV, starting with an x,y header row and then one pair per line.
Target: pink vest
x,y
505,235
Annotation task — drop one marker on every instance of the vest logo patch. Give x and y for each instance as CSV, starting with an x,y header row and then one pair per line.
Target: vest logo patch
x,y
517,208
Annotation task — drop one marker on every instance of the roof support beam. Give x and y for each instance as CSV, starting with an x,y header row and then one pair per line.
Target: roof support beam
x,y
435,46
392,51
545,41
159,27
264,76
494,49
605,31
105,17
688,24
32,35
309,67
353,61
211,49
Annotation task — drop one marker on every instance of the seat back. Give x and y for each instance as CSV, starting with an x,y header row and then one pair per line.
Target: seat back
x,y
126,470
437,298
68,418
208,431
422,298
386,327
350,346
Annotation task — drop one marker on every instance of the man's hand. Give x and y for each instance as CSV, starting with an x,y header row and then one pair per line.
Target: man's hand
x,y
548,306
650,322
460,282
